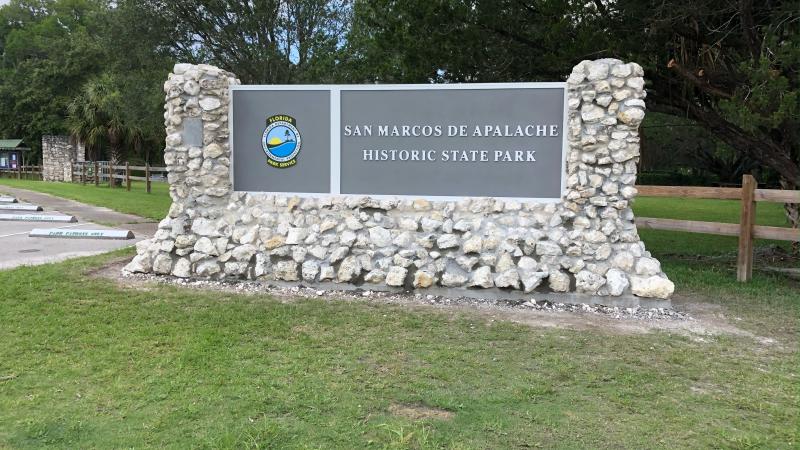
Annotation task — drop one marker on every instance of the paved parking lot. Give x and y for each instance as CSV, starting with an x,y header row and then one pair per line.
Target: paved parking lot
x,y
16,248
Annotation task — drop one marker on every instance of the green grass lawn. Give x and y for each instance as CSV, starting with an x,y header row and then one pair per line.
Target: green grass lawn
x,y
86,363
152,206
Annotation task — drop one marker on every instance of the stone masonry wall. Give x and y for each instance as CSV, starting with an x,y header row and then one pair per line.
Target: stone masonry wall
x,y
58,154
587,243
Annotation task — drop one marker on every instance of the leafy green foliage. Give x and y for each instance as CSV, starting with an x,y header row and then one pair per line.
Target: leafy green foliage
x,y
53,49
261,42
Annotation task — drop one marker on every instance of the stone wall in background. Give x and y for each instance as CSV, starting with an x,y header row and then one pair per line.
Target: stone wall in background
x,y
587,243
58,154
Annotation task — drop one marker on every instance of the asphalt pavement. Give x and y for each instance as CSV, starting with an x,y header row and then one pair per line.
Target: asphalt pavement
x,y
17,249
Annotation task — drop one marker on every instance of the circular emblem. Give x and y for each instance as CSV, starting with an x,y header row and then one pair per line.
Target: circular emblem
x,y
281,141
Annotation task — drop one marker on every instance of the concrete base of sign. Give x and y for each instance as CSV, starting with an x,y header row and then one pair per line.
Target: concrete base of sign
x,y
571,298
20,207
81,234
38,218
7,199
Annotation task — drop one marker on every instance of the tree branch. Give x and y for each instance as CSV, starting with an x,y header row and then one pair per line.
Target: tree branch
x,y
696,80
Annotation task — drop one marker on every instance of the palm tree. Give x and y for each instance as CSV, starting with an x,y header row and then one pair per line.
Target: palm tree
x,y
96,117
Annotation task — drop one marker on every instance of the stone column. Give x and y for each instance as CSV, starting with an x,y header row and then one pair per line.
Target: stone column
x,y
197,158
58,154
606,107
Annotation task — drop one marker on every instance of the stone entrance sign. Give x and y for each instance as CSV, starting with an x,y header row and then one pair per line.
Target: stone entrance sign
x,y
304,185
430,141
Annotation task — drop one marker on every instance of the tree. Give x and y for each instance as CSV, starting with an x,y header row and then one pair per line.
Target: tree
x,y
269,41
48,52
96,117
49,49
732,67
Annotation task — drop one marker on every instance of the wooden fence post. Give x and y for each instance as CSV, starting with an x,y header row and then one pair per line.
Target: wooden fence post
x,y
110,171
19,170
83,173
96,175
744,262
128,175
147,176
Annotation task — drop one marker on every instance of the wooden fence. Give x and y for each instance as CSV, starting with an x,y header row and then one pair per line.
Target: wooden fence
x,y
96,172
23,173
746,229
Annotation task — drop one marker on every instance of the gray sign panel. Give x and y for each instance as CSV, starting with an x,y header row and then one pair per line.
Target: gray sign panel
x,y
410,140
311,112
462,142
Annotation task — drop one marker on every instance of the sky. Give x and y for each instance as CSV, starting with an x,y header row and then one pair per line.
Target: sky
x,y
4,2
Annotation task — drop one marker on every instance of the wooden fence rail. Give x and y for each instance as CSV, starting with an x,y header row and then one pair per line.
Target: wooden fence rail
x,y
102,172
23,172
746,229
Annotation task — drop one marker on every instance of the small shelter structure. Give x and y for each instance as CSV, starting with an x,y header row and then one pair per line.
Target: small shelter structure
x,y
12,154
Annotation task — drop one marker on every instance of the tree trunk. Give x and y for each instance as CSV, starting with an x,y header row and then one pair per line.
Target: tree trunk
x,y
792,214
115,159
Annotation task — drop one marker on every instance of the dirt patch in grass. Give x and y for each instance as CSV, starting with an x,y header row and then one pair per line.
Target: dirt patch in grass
x,y
418,412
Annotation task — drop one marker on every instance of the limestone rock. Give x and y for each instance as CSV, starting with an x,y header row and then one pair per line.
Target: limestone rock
x,y
326,272
141,263
396,276
235,268
504,263
473,245
213,150
423,279
349,269
285,270
482,277
547,248
309,270
589,282
375,276
616,282
446,241
208,268
210,103
296,236
532,280
648,266
654,286
507,279
454,276
528,264
380,237
338,254
244,252
162,264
